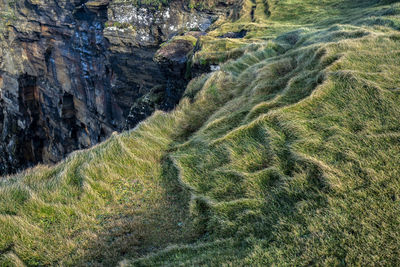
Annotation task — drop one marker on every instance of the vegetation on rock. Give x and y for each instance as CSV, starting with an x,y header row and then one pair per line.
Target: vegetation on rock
x,y
288,155
156,3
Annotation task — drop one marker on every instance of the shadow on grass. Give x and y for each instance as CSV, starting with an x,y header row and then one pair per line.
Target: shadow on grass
x,y
136,233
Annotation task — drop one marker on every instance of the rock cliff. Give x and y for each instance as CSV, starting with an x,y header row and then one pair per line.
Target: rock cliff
x,y
74,71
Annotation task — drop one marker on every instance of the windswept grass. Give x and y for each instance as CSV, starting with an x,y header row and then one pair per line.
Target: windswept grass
x,y
288,155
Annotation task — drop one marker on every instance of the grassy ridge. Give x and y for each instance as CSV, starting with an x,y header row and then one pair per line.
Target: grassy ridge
x,y
288,156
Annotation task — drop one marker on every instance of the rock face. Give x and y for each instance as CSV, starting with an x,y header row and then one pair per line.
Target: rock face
x,y
139,83
74,71
55,90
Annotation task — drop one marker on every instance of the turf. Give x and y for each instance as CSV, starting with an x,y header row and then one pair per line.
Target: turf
x,y
288,155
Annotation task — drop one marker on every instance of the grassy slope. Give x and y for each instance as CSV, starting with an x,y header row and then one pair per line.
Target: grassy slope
x,y
288,155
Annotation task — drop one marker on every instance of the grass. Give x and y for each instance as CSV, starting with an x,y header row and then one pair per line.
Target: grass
x,y
286,156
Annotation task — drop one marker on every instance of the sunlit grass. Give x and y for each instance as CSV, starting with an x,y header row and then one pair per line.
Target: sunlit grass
x,y
286,156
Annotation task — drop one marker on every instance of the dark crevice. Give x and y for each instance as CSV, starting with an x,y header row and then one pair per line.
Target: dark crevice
x,y
253,10
234,35
267,9
30,147
6,250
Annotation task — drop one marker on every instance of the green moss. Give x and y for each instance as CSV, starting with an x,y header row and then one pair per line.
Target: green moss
x,y
118,24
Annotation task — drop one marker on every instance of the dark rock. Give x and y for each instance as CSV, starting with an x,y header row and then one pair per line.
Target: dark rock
x,y
175,52
234,35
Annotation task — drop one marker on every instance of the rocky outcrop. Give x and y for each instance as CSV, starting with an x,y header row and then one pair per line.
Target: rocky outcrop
x,y
135,34
55,94
74,71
